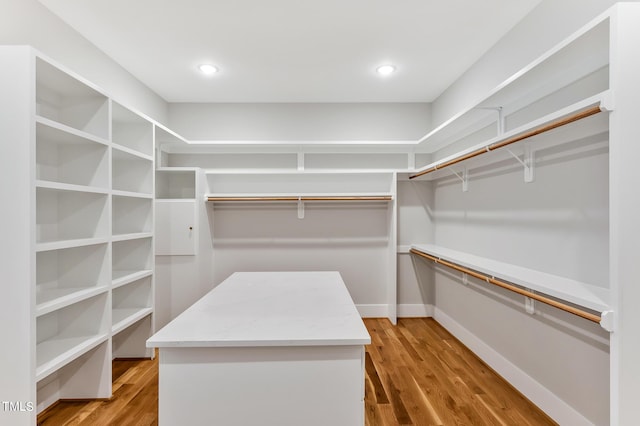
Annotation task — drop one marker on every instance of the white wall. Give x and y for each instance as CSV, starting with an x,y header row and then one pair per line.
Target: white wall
x,y
549,23
303,122
27,22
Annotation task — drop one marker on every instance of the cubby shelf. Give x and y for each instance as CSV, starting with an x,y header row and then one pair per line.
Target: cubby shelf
x,y
124,277
65,99
125,317
53,299
55,353
63,134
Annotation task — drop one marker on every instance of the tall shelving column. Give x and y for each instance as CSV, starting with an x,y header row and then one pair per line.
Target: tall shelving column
x,y
72,211
132,232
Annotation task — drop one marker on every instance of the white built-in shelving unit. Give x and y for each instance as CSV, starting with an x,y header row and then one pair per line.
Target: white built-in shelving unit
x,y
132,159
85,292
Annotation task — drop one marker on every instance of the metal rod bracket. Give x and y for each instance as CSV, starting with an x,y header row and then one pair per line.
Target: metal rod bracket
x,y
529,304
465,279
527,162
300,208
464,177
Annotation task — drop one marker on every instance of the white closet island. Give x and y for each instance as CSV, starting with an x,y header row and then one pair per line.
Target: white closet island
x,y
272,348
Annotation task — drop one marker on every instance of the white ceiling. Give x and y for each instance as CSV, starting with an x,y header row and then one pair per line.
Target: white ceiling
x,y
294,50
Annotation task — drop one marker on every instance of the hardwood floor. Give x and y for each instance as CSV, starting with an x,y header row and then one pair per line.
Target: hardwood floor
x,y
416,374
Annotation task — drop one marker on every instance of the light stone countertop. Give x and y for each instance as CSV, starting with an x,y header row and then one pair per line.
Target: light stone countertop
x,y
251,309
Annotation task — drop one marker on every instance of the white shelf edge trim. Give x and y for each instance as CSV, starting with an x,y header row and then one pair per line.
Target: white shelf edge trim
x,y
295,171
64,244
70,130
129,277
60,186
78,295
132,316
579,293
132,236
131,194
132,151
298,194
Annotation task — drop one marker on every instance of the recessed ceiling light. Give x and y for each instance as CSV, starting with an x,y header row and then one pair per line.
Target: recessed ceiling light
x,y
385,69
208,69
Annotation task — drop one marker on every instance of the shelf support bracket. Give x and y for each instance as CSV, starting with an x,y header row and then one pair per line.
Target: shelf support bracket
x,y
499,121
529,304
300,208
464,177
606,321
526,162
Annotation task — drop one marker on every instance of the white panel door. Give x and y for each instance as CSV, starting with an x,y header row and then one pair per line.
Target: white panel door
x,y
175,227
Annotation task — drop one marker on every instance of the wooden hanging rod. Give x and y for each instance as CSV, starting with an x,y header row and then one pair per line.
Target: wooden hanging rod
x,y
491,280
517,138
306,198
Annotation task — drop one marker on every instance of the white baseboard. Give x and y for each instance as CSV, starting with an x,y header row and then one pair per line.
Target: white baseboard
x,y
415,311
404,311
555,407
373,311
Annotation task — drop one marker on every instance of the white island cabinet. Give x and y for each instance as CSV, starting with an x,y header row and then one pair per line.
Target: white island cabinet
x,y
268,348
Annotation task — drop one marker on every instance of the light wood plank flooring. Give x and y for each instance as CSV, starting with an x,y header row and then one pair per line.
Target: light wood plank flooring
x,y
416,374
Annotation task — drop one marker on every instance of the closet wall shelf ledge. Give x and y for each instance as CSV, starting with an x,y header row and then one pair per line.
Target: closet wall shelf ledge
x,y
564,116
575,292
296,197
